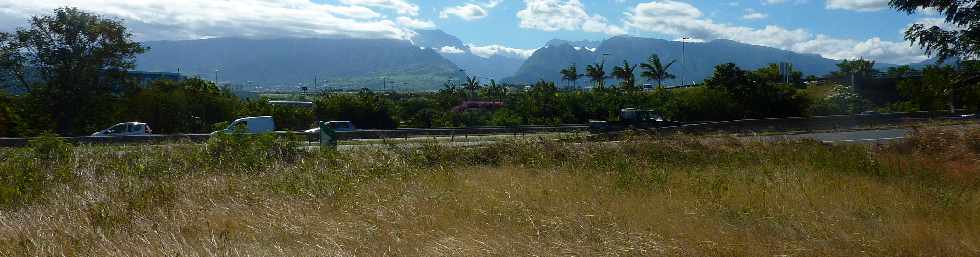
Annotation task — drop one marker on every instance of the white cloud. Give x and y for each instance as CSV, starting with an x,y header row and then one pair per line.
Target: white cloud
x,y
400,6
857,5
414,23
491,50
553,15
751,14
194,19
451,50
467,12
684,20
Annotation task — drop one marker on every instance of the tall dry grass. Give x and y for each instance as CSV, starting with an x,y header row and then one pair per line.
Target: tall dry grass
x,y
642,196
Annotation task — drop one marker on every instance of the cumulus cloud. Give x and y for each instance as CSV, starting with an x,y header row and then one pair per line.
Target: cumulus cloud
x,y
491,50
400,6
451,50
467,12
553,15
684,20
194,19
857,5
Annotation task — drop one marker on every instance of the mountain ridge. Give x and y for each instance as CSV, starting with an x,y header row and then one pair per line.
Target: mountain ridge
x,y
695,60
285,62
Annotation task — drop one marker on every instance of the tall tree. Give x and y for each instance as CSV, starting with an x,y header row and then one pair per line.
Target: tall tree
x,y
571,74
625,73
472,84
73,63
959,38
655,70
597,73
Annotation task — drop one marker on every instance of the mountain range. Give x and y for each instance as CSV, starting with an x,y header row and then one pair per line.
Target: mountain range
x,y
695,61
290,63
495,66
432,57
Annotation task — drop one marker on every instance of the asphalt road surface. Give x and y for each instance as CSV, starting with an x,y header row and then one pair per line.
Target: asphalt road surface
x,y
857,137
860,136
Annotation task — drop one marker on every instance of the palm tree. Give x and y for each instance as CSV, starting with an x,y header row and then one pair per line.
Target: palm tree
x,y
625,73
571,74
495,91
597,73
655,70
472,84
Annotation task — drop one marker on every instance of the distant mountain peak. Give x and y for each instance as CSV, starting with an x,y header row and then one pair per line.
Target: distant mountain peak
x,y
695,63
436,39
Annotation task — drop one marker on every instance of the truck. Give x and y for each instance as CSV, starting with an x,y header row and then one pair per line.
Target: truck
x,y
631,118
250,125
125,129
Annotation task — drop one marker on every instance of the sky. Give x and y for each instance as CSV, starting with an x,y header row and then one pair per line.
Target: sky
x,y
837,29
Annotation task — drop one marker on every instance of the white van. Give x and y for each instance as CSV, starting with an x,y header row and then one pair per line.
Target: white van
x,y
251,125
125,129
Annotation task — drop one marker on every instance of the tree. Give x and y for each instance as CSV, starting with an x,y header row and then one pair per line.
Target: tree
x,y
9,119
934,91
597,73
495,91
758,97
365,109
625,73
571,74
900,72
73,64
655,70
189,106
472,84
859,67
780,73
961,36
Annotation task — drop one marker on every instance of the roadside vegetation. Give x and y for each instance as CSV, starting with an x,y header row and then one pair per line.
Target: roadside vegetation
x,y
673,195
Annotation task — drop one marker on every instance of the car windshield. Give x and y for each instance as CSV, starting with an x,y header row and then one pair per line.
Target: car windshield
x,y
118,128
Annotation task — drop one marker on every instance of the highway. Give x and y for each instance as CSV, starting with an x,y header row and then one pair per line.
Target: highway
x,y
842,137
859,136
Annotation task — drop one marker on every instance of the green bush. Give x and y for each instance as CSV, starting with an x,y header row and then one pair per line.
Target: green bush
x,y
27,174
49,147
249,153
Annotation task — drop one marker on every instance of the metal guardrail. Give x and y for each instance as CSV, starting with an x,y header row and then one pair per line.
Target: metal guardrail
x,y
833,122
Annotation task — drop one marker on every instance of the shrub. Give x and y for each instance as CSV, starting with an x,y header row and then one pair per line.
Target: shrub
x,y
26,175
245,152
49,147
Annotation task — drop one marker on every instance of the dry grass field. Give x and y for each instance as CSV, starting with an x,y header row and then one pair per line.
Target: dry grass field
x,y
643,196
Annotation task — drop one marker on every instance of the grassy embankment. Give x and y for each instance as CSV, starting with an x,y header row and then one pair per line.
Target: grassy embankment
x,y
645,196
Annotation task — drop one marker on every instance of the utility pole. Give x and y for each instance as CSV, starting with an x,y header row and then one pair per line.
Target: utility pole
x,y
683,59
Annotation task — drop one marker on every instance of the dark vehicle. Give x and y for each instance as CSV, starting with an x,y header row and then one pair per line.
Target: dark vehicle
x,y
632,119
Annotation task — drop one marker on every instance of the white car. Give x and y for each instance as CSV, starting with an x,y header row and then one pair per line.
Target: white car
x,y
125,129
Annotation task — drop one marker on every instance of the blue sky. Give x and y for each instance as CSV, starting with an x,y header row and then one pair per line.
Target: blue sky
x,y
836,29
501,26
